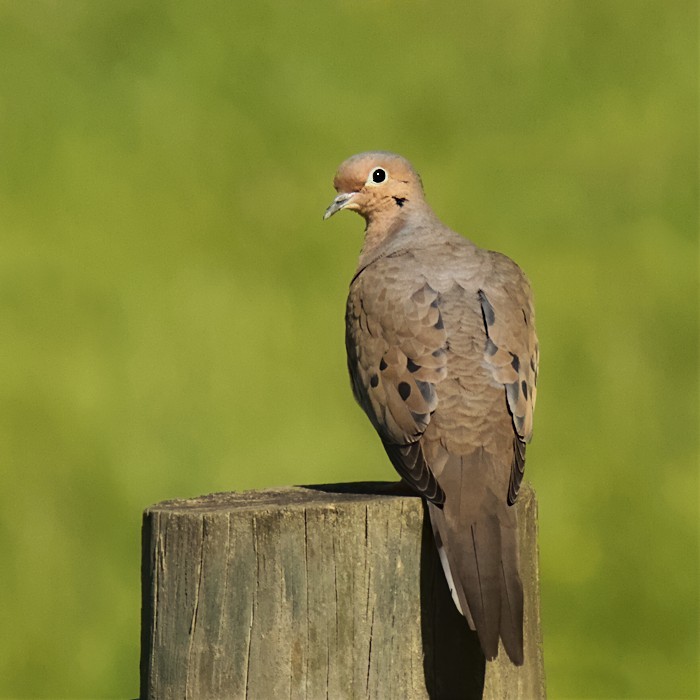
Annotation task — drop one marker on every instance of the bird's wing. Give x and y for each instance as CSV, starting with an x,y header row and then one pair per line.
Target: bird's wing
x,y
476,441
395,341
512,351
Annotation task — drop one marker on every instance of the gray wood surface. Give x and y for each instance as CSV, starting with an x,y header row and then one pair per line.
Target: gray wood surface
x,y
316,592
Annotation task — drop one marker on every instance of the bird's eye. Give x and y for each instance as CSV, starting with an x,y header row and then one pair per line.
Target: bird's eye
x,y
378,175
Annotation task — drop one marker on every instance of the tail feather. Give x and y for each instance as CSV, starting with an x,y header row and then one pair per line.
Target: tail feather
x,y
439,525
480,565
478,547
511,597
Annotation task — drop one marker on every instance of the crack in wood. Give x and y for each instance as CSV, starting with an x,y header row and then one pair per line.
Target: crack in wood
x,y
254,605
195,608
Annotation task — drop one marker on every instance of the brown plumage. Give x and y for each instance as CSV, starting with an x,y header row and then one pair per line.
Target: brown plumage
x,y
443,358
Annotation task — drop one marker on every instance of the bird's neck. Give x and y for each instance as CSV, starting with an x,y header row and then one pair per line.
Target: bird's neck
x,y
377,234
384,234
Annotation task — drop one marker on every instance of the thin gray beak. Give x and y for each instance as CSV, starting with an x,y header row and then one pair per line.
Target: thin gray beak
x,y
340,202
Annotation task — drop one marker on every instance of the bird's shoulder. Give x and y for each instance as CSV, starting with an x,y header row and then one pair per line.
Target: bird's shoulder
x,y
438,258
416,255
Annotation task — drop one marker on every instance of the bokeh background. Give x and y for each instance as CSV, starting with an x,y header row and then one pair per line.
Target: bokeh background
x,y
171,304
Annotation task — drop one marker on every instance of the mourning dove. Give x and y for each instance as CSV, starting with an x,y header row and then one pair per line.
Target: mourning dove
x,y
443,358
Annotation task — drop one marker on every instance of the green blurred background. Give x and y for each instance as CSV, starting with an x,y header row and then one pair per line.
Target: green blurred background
x,y
171,304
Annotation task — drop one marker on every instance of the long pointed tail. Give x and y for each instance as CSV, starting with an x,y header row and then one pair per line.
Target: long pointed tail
x,y
480,560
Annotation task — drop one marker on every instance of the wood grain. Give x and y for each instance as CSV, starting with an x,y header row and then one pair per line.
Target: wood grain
x,y
316,592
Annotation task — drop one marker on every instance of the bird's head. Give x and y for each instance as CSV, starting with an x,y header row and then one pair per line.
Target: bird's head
x,y
376,185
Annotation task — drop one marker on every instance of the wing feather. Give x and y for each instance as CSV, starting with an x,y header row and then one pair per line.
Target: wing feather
x,y
511,352
396,357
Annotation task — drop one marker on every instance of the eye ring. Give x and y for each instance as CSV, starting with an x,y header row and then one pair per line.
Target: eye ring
x,y
377,176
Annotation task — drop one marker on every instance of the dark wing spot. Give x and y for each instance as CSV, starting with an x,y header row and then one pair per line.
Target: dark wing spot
x,y
374,381
400,201
404,390
412,366
438,353
523,387
487,309
491,348
515,362
382,364
439,324
427,391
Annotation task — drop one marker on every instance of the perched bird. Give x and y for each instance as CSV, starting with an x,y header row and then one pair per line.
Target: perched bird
x,y
443,358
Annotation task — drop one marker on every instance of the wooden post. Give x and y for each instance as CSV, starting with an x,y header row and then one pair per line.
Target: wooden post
x,y
316,592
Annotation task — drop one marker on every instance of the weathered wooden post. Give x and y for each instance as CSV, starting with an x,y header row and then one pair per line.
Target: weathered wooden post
x,y
319,592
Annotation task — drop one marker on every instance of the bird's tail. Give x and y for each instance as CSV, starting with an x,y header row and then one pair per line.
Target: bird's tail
x,y
479,555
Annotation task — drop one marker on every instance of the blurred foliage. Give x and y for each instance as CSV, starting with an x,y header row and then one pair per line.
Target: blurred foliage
x,y
171,304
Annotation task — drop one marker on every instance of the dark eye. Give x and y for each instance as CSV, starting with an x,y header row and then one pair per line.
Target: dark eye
x,y
378,175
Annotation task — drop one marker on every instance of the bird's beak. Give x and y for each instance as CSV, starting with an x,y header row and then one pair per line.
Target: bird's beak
x,y
340,202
